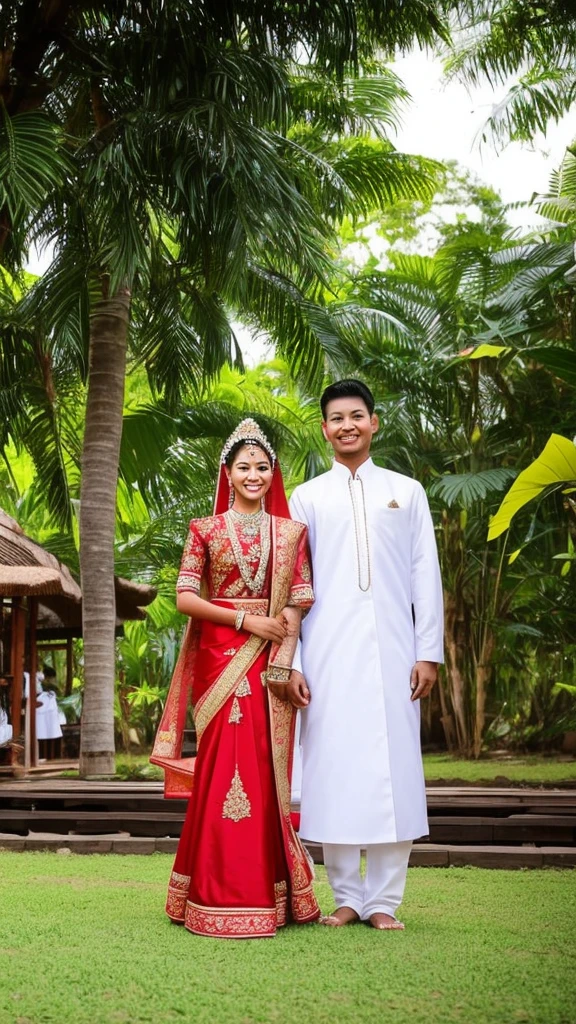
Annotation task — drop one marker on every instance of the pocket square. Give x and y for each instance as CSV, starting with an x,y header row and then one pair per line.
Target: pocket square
x,y
393,504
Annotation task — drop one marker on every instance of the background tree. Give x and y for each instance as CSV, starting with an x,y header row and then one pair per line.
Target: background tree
x,y
500,39
159,163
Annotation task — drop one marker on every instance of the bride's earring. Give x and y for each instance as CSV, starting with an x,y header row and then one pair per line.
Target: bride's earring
x,y
231,497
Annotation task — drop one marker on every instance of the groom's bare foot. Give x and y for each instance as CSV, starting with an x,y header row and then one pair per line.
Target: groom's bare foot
x,y
342,916
386,923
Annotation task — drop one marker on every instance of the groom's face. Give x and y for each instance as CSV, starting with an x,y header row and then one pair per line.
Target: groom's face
x,y
349,427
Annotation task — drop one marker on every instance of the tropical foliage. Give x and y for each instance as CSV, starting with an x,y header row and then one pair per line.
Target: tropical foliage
x,y
532,44
197,178
184,160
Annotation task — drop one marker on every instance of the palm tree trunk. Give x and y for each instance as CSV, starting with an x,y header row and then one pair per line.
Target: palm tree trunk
x,y
483,673
103,432
453,669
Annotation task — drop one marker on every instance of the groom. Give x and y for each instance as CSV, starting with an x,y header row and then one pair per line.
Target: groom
x,y
370,649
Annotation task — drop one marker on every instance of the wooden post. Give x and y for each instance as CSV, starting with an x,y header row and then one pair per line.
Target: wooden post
x,y
32,758
17,665
69,667
4,668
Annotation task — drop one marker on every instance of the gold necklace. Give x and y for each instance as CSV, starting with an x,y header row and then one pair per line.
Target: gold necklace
x,y
249,522
256,522
357,533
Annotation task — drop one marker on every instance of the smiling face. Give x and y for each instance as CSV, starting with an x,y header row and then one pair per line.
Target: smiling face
x,y
250,475
349,428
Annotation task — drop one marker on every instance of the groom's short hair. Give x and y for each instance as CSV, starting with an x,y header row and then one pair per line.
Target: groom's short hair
x,y
349,388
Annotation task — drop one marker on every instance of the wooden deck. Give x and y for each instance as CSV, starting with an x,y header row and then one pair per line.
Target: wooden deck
x,y
485,827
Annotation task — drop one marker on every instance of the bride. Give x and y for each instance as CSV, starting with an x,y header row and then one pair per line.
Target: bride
x,y
240,870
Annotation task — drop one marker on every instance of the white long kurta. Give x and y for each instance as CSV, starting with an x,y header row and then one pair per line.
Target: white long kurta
x,y
378,610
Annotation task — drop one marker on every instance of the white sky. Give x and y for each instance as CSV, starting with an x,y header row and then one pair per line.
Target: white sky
x,y
444,122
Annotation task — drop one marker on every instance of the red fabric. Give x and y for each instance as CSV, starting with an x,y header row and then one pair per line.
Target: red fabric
x,y
232,863
235,878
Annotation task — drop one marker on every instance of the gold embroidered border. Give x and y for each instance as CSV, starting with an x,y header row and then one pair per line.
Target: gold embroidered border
x,y
166,744
223,688
253,605
232,922
304,906
285,537
188,581
302,594
281,715
278,674
178,888
281,895
303,902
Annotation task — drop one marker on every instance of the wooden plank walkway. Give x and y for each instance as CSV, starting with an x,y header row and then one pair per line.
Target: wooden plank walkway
x,y
424,855
481,826
522,828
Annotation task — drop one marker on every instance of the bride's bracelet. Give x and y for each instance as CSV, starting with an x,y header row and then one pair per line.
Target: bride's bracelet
x,y
239,620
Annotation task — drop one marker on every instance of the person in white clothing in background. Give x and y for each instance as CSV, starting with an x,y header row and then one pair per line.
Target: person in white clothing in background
x,y
371,645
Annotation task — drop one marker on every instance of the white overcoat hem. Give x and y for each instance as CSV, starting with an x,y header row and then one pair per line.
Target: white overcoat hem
x,y
363,843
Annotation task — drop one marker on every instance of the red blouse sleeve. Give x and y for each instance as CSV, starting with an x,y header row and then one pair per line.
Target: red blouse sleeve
x,y
301,593
193,562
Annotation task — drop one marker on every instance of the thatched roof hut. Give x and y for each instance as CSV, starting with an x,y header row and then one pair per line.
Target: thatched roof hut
x,y
28,570
41,601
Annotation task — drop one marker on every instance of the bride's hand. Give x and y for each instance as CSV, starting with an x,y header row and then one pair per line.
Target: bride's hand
x,y
265,627
291,618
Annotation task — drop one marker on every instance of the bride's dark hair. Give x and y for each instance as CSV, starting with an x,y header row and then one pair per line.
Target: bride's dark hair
x,y
242,444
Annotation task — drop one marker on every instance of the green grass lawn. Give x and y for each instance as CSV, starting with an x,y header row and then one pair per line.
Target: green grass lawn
x,y
533,770
84,941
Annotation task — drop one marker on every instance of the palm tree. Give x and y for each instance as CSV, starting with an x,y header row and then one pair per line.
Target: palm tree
x,y
162,168
469,386
498,39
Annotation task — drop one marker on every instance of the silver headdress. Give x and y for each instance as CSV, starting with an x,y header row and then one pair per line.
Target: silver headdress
x,y
246,431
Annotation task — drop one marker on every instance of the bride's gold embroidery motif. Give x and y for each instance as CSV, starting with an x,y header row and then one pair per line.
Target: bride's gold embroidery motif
x,y
243,689
236,805
235,712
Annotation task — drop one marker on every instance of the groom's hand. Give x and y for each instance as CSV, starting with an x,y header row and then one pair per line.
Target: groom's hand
x,y
297,691
424,675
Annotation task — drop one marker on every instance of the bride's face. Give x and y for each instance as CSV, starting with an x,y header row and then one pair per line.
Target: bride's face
x,y
250,473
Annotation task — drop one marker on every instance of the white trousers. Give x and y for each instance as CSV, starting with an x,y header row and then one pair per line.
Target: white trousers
x,y
382,888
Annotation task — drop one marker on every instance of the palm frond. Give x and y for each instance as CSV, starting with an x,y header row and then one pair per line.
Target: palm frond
x,y
465,489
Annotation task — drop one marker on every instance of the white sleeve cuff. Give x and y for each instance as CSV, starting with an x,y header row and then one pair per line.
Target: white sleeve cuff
x,y
297,659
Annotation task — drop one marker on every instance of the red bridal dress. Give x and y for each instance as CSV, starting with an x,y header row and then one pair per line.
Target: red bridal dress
x,y
240,870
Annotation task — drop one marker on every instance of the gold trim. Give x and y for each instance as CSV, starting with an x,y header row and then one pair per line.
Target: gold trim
x,y
231,922
214,700
178,889
278,674
256,605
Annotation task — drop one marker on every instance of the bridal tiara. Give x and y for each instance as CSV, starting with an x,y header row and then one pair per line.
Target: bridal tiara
x,y
246,431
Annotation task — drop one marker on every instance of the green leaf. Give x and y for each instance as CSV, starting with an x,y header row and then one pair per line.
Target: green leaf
x,y
490,351
466,488
555,465
560,361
